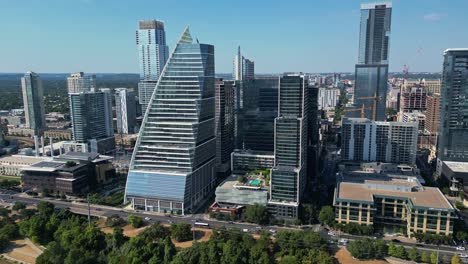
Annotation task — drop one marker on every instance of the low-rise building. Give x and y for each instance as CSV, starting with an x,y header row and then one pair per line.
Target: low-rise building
x,y
457,174
12,165
71,173
383,200
232,195
60,134
243,161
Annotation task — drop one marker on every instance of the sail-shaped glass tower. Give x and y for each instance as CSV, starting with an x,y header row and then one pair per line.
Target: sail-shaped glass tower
x,y
173,164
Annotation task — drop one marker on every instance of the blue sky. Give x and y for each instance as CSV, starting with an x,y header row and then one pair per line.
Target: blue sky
x,y
308,35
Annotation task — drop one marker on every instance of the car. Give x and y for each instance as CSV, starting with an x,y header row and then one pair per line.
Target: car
x,y
463,255
169,221
272,231
396,240
258,227
98,209
419,245
231,222
245,230
460,248
147,218
331,234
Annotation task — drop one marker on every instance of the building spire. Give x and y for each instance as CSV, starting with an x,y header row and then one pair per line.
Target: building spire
x,y
186,38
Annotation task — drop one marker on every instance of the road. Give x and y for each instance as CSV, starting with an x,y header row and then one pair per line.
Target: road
x,y
106,211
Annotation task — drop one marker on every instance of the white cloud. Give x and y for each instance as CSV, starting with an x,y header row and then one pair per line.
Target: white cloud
x,y
434,16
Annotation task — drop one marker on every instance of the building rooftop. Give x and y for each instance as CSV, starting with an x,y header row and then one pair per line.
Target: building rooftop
x,y
457,166
21,158
428,197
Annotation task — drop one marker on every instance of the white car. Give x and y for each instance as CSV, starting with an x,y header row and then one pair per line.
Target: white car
x,y
147,218
245,230
460,248
463,255
344,240
331,234
272,231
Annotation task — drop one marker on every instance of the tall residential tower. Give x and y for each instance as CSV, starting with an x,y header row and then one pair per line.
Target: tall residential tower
x,y
173,164
153,53
33,102
453,124
371,73
288,176
125,110
244,69
79,82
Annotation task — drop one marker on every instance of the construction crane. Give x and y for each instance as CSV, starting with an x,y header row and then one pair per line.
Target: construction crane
x,y
374,105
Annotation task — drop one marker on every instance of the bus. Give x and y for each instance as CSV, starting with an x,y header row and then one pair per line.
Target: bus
x,y
201,224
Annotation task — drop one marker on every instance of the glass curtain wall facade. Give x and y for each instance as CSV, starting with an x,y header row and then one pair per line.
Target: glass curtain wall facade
x,y
91,115
173,164
256,113
125,111
453,124
288,176
224,97
371,73
153,53
33,101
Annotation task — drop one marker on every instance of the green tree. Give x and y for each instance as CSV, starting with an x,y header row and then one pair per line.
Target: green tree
x,y
381,249
240,178
169,250
327,215
18,206
135,221
289,260
308,213
45,208
362,249
391,249
456,259
4,212
433,257
400,252
425,258
413,254
181,232
256,214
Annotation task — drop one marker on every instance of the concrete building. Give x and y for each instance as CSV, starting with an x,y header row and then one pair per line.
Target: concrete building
x,y
224,125
72,173
33,101
432,86
153,54
243,161
288,176
417,117
457,174
366,140
244,69
78,82
453,125
413,99
12,165
173,163
403,203
432,113
328,98
371,73
91,118
125,111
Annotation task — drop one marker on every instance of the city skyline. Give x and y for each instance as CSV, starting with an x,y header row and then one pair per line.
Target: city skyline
x,y
326,53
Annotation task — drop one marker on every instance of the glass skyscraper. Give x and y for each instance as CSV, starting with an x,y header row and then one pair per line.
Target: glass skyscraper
x,y
244,69
153,53
224,114
125,110
91,118
33,101
173,164
453,124
371,73
288,176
